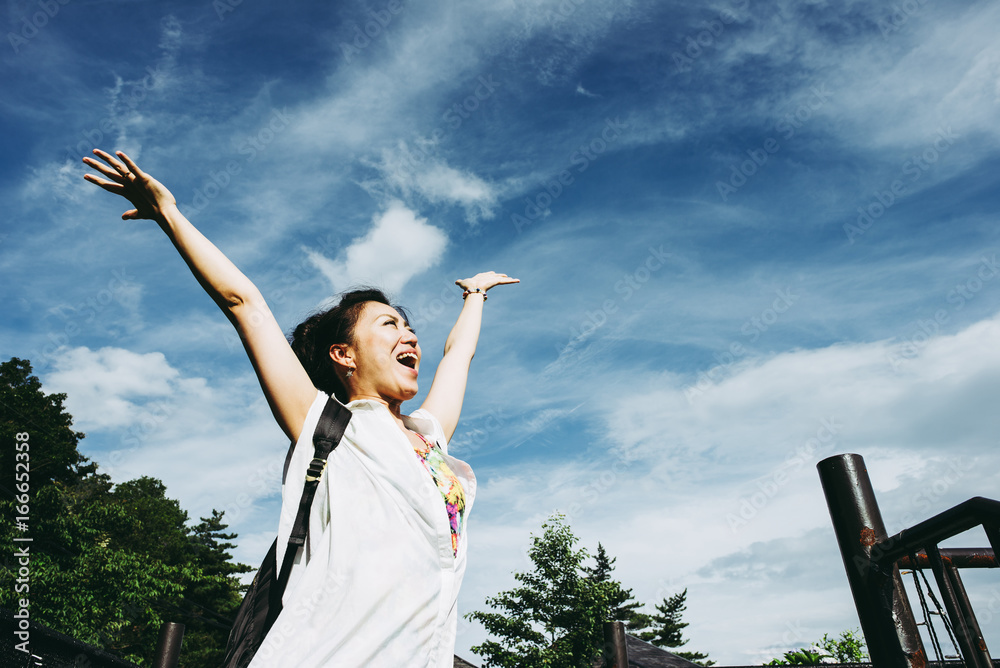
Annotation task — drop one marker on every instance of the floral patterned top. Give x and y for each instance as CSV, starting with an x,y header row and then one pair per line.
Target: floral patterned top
x,y
448,484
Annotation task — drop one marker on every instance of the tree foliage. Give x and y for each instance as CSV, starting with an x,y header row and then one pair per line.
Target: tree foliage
x,y
667,627
849,647
555,617
109,563
621,604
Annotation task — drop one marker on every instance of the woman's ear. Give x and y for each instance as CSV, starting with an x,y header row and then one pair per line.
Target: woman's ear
x,y
340,353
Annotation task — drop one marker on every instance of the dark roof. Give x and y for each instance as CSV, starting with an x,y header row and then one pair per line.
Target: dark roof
x,y
462,663
643,655
52,648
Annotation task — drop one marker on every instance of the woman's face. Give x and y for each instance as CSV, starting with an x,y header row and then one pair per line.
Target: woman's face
x,y
386,355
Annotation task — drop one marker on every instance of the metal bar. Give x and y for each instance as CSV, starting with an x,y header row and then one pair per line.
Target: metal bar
x,y
992,530
883,608
963,635
964,516
168,649
615,650
976,634
962,557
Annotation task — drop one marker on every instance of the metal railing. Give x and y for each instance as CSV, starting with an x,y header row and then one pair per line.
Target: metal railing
x,y
872,560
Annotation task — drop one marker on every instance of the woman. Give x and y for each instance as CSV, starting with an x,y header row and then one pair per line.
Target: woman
x,y
377,582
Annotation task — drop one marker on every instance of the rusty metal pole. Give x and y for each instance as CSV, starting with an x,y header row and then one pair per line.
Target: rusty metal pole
x,y
970,616
883,608
168,649
956,601
615,651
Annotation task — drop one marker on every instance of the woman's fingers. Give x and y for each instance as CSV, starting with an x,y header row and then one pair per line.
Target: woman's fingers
x,y
131,165
103,169
486,280
119,168
110,186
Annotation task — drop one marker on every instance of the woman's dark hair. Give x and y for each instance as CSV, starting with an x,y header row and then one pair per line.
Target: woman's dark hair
x,y
312,338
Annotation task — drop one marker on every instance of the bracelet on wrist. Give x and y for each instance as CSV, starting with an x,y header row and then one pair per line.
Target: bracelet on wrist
x,y
474,291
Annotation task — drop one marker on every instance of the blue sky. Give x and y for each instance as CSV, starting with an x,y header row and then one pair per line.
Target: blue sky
x,y
750,235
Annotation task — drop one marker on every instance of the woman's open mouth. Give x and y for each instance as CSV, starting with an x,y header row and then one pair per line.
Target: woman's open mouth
x,y
407,359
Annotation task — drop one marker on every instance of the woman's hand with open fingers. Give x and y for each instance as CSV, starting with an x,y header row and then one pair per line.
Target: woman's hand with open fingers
x,y
485,281
147,195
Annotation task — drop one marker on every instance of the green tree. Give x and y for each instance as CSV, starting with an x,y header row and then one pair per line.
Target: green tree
x,y
621,605
555,616
666,628
109,563
25,408
800,657
849,647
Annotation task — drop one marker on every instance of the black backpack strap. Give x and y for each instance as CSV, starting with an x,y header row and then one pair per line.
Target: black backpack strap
x,y
330,429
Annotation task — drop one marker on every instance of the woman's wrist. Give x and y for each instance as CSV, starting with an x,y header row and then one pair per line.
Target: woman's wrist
x,y
168,214
474,291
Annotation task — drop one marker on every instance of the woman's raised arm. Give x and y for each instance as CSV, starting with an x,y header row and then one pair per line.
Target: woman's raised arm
x,y
444,400
286,384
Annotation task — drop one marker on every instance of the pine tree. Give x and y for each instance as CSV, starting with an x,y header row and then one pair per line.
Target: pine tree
x,y
622,606
555,617
667,628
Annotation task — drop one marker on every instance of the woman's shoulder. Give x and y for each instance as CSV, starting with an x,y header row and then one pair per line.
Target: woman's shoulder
x,y
427,424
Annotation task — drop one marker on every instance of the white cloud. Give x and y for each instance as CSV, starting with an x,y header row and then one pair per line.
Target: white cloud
x,y
106,387
398,247
213,447
407,172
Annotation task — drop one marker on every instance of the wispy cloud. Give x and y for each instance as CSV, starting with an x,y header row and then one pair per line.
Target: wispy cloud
x,y
418,173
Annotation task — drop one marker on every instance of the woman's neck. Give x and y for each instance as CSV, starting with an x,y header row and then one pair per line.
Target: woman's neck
x,y
392,404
